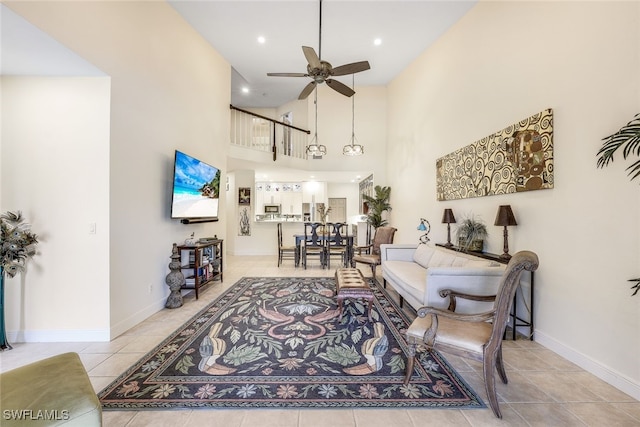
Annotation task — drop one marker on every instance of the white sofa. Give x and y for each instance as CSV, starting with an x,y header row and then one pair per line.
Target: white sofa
x,y
419,272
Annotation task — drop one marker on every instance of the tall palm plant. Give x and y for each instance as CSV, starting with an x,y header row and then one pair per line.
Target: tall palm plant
x,y
627,138
376,205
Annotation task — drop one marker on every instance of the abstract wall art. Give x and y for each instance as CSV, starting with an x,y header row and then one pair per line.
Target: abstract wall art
x,y
517,158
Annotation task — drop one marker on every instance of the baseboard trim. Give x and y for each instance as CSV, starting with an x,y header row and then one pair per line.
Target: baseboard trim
x,y
616,379
63,335
131,321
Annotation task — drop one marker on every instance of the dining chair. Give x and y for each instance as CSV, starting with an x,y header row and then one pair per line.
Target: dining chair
x,y
313,244
474,336
285,251
336,242
370,254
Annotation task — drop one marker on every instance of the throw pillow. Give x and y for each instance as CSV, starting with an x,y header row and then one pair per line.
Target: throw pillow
x,y
422,255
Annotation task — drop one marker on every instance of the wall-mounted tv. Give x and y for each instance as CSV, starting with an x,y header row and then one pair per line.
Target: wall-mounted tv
x,y
196,190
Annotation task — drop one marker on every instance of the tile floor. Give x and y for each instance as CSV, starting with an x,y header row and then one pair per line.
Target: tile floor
x,y
544,389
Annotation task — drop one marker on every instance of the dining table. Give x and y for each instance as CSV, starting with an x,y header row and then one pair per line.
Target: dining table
x,y
323,237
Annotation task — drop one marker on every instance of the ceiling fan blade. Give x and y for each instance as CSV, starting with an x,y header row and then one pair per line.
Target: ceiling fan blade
x,y
340,87
312,57
287,74
354,67
307,90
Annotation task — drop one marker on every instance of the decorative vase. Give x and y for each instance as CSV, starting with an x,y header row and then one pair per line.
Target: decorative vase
x,y
4,344
175,280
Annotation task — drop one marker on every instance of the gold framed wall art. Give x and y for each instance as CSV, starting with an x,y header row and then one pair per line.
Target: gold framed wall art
x,y
518,158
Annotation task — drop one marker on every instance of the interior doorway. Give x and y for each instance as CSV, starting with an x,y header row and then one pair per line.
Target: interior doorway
x,y
338,208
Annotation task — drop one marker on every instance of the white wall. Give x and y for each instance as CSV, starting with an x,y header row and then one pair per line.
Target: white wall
x,y
503,62
55,151
169,90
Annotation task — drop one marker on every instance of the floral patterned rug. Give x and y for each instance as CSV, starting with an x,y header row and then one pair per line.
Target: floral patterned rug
x,y
281,342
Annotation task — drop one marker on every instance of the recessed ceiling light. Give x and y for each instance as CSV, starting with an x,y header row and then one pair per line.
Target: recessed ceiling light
x,y
245,89
377,41
261,40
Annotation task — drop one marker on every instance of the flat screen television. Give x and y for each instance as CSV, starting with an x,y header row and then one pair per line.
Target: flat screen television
x,y
196,190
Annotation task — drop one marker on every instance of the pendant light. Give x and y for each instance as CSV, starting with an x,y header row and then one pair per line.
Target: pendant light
x,y
353,149
315,149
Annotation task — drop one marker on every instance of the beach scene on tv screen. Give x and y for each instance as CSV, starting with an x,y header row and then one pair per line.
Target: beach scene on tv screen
x,y
196,188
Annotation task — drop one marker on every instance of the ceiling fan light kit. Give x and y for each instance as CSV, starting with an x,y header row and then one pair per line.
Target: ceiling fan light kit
x,y
353,149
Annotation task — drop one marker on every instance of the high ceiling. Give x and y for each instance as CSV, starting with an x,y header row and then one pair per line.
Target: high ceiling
x,y
405,28
349,28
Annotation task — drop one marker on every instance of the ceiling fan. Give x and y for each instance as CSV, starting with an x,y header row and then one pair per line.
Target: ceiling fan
x,y
321,71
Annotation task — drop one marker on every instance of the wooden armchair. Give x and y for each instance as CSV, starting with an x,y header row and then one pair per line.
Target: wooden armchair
x,y
371,254
474,336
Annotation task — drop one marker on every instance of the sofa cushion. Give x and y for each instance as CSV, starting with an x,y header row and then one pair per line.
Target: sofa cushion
x,y
423,254
442,259
410,274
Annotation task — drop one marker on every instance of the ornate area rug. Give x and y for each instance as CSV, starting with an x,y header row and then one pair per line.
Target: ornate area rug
x,y
281,342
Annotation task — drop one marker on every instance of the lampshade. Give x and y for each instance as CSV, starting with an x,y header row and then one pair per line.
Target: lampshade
x,y
505,216
315,149
353,149
422,227
448,217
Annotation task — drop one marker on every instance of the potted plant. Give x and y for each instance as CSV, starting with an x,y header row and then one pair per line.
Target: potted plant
x,y
376,205
471,234
17,245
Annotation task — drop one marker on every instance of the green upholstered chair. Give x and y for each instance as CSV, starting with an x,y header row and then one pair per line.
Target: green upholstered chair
x,y
54,391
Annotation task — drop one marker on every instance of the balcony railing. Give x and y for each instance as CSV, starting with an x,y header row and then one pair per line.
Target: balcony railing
x,y
256,132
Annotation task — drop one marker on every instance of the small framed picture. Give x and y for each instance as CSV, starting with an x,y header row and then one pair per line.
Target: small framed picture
x,y
244,196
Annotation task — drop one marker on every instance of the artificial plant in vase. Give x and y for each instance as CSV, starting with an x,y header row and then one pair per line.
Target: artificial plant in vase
x,y
17,245
377,204
471,234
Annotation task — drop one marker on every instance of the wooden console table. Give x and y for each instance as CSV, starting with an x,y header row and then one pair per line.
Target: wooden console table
x,y
517,321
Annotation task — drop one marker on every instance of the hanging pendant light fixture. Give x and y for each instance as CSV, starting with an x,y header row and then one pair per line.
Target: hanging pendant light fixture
x,y
314,148
353,149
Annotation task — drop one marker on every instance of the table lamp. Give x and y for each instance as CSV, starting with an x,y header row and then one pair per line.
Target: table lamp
x,y
424,226
448,218
505,218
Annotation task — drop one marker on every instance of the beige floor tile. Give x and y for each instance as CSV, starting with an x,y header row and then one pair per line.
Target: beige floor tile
x,y
160,419
520,390
117,418
319,418
271,418
381,417
547,414
485,417
143,344
112,346
91,360
216,418
437,417
602,414
522,359
116,364
606,391
561,387
631,408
